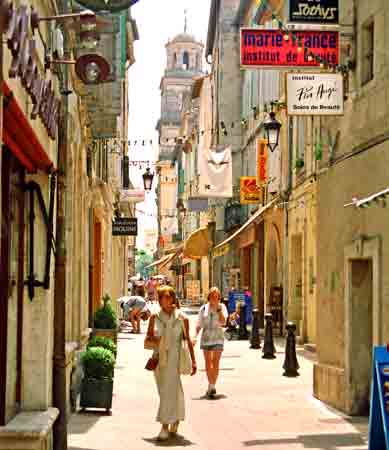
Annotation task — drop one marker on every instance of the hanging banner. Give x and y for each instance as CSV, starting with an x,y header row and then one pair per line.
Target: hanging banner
x,y
197,204
317,11
261,161
278,48
314,94
215,173
250,192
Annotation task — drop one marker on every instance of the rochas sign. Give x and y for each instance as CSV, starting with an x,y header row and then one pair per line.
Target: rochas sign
x,y
24,66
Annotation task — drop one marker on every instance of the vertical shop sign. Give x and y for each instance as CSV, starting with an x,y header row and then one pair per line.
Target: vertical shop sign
x,y
261,162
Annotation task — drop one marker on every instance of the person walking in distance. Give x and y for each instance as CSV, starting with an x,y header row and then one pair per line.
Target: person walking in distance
x,y
169,328
211,320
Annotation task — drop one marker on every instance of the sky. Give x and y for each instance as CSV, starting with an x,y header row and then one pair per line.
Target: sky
x,y
157,21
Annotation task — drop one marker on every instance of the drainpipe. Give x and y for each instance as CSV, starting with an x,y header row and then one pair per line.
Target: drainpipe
x,y
59,363
286,229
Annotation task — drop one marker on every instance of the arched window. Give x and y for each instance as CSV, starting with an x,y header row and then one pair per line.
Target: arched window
x,y
175,60
185,61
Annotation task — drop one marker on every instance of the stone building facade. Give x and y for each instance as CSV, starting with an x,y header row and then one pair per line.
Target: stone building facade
x,y
43,201
352,243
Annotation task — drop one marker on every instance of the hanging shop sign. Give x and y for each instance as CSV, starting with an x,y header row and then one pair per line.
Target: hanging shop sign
x,y
24,65
314,11
125,226
278,48
250,192
314,94
132,196
107,5
262,149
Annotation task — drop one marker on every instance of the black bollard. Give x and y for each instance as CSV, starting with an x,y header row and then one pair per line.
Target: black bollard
x,y
243,333
268,345
291,365
255,340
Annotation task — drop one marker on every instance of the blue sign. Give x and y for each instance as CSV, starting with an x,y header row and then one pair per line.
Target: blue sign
x,y
240,296
379,401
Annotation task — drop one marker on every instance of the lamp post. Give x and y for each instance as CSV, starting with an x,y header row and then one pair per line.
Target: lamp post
x,y
148,179
272,127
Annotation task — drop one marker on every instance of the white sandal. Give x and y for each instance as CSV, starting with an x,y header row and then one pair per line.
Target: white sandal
x,y
163,435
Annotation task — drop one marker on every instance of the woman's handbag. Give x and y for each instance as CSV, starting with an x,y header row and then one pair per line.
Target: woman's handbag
x,y
151,342
152,363
185,358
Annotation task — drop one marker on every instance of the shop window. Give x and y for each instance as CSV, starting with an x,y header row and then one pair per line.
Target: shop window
x,y
368,52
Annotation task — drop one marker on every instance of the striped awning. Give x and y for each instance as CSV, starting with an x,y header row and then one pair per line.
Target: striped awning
x,y
379,198
161,262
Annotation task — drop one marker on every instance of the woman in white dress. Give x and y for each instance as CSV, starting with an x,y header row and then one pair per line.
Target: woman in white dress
x,y
168,328
211,320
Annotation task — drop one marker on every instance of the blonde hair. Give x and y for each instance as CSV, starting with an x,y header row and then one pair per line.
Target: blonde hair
x,y
212,290
168,290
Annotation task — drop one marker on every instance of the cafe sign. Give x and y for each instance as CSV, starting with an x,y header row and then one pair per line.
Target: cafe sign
x,y
125,226
24,65
314,94
278,48
323,12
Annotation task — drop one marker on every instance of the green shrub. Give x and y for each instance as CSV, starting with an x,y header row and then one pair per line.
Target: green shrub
x,y
105,342
106,317
98,363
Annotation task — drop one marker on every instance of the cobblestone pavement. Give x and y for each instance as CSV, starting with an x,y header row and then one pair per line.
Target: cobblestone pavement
x,y
256,407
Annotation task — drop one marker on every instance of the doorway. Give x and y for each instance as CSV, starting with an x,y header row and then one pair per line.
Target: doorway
x,y
12,283
361,339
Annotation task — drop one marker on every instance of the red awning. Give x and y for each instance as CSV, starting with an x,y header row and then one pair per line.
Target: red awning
x,y
20,137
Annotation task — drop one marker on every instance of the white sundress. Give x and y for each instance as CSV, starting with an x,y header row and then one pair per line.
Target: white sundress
x,y
168,379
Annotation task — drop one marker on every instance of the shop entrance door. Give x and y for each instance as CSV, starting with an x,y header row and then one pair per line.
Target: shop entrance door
x,y
361,342
12,285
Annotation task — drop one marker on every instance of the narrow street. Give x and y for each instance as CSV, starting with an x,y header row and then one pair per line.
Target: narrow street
x,y
256,407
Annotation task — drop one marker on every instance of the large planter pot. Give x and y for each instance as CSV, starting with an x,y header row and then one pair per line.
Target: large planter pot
x,y
111,334
96,394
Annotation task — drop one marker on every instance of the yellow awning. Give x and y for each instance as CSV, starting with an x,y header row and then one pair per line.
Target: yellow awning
x,y
197,244
223,248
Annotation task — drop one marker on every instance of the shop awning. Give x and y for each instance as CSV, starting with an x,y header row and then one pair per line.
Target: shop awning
x,y
161,262
197,244
218,249
20,137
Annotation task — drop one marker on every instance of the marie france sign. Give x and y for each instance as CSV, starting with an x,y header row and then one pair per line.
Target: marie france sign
x,y
314,11
314,94
276,48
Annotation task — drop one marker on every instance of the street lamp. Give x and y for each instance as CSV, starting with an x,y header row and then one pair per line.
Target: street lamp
x,y
148,179
272,127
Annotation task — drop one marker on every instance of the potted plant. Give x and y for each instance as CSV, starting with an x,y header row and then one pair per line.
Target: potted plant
x,y
299,163
105,320
97,385
102,341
